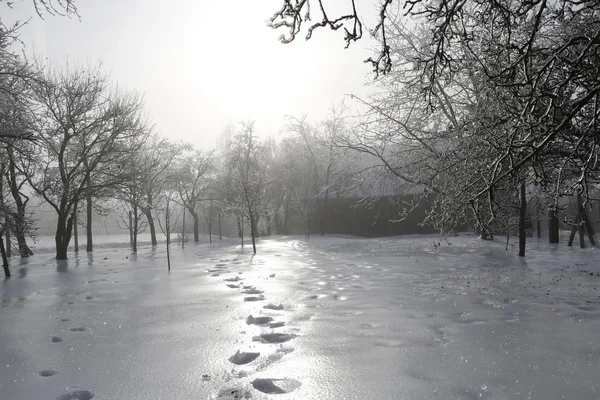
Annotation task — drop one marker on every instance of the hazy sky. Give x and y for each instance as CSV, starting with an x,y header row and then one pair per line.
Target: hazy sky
x,y
203,64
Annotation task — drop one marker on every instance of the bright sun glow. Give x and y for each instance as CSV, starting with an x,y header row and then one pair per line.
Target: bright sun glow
x,y
201,66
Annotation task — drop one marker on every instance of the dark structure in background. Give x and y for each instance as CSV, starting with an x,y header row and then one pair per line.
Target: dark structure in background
x,y
350,216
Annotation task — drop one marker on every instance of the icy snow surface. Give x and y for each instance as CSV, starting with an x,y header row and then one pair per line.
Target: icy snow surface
x,y
331,318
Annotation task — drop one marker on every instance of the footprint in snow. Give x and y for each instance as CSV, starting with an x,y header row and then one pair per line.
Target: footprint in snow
x,y
79,329
276,386
276,324
587,308
232,286
258,320
220,265
279,353
65,319
272,306
47,372
89,297
241,358
255,298
236,279
77,395
233,394
253,291
273,337
272,276
56,339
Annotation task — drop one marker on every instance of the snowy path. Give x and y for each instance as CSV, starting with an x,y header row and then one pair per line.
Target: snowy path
x,y
332,318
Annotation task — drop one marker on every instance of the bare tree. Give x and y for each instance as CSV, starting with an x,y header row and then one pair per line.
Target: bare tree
x,y
80,126
19,216
15,138
155,176
4,212
247,160
170,215
293,13
193,181
148,172
52,7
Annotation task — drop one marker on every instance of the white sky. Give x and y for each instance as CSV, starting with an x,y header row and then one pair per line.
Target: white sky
x,y
203,64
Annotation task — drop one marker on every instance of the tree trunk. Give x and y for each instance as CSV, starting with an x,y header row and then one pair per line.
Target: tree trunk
x,y
572,236
2,249
240,226
4,258
8,249
20,225
588,227
130,230
286,220
581,220
277,222
75,236
538,213
148,214
88,227
252,230
183,230
168,234
268,219
134,227
522,221
220,236
64,227
210,229
324,218
255,221
136,221
552,226
196,226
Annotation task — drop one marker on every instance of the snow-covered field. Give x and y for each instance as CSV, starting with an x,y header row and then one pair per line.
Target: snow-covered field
x,y
45,243
393,318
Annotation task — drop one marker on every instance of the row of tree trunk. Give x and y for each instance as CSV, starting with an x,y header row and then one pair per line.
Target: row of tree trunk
x,y
581,224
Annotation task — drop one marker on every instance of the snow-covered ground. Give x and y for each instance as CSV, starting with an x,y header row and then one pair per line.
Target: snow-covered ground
x,y
45,243
393,318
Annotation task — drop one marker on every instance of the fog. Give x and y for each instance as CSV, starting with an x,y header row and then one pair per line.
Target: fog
x,y
309,199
